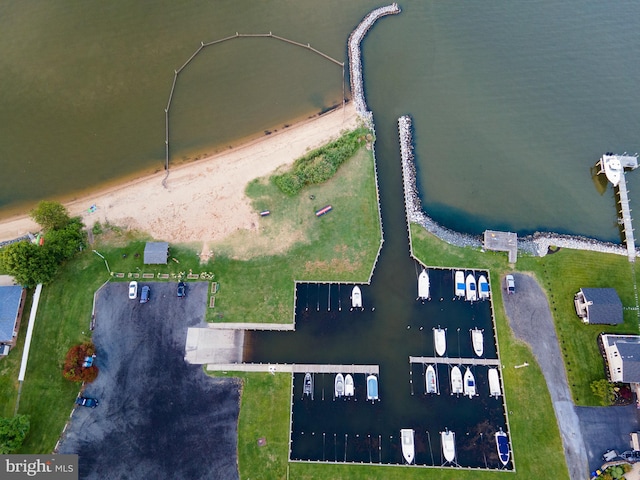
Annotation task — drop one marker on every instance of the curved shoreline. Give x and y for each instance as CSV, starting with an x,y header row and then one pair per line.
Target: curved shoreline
x,y
537,244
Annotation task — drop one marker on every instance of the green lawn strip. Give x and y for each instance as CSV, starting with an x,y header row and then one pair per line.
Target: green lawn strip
x,y
264,413
562,274
340,246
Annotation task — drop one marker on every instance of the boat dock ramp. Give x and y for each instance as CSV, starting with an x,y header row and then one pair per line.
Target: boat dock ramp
x,y
456,361
293,368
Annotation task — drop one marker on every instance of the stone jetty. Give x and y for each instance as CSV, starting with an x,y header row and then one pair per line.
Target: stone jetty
x,y
537,244
355,61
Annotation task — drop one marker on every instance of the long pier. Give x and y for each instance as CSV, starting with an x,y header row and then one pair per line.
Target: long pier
x,y
456,361
293,368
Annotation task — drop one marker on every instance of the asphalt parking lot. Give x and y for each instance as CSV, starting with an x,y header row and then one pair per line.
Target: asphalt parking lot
x,y
158,417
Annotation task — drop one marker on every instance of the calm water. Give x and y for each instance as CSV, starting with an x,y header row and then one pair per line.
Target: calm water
x,y
512,102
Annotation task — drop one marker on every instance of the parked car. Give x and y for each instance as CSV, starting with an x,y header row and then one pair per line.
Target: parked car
x,y
145,295
182,289
133,289
87,402
510,284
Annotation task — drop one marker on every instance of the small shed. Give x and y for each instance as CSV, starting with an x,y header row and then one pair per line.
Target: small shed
x,y
156,253
11,306
598,306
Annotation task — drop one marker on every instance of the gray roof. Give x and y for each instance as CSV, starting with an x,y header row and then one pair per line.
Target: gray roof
x,y
9,306
629,349
156,253
606,307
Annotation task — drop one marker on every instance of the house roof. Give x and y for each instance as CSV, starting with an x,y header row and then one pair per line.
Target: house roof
x,y
9,306
629,349
605,305
156,253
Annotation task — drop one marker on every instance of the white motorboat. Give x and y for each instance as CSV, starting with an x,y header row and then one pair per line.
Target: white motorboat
x,y
469,383
494,383
356,297
408,448
483,288
372,387
456,380
502,444
460,285
440,341
477,340
339,385
612,168
308,384
423,285
431,379
448,440
472,294
348,385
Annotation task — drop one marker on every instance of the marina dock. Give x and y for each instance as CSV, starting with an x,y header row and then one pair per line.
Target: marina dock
x,y
625,162
456,361
293,368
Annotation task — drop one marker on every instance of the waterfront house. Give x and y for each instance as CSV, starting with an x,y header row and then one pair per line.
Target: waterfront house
x,y
598,306
11,306
622,359
156,253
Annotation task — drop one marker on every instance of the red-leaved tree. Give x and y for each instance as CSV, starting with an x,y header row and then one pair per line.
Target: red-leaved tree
x,y
74,369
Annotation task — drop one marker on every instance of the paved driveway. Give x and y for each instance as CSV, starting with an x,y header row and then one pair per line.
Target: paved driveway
x,y
159,417
530,319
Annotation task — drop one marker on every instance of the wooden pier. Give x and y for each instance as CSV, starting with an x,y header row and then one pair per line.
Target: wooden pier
x,y
455,361
631,162
293,368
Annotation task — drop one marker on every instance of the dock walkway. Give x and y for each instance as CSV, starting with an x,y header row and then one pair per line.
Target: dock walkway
x,y
293,368
455,361
625,210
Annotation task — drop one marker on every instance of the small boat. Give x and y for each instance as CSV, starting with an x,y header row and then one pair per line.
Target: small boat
x,y
612,168
477,340
472,294
469,384
423,285
408,448
339,385
308,384
431,379
502,443
448,440
456,380
356,297
372,387
483,288
494,383
440,341
460,285
348,385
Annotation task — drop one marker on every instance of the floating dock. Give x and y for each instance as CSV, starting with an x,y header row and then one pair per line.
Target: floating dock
x,y
627,162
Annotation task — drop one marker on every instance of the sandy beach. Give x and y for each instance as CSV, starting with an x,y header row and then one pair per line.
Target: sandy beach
x,y
203,201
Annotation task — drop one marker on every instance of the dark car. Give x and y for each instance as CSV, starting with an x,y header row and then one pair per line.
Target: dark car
x,y
87,402
182,289
146,294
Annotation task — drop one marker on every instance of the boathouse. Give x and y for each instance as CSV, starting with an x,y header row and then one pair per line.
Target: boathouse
x,y
598,306
156,253
11,306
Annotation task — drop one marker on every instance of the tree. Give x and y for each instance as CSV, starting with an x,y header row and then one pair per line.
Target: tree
x,y
50,215
74,364
12,433
28,263
64,243
605,390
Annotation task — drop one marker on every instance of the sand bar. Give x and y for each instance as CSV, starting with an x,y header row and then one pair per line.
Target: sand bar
x,y
203,201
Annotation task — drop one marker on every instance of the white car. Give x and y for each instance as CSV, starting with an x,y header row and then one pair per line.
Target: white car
x,y
133,290
510,284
